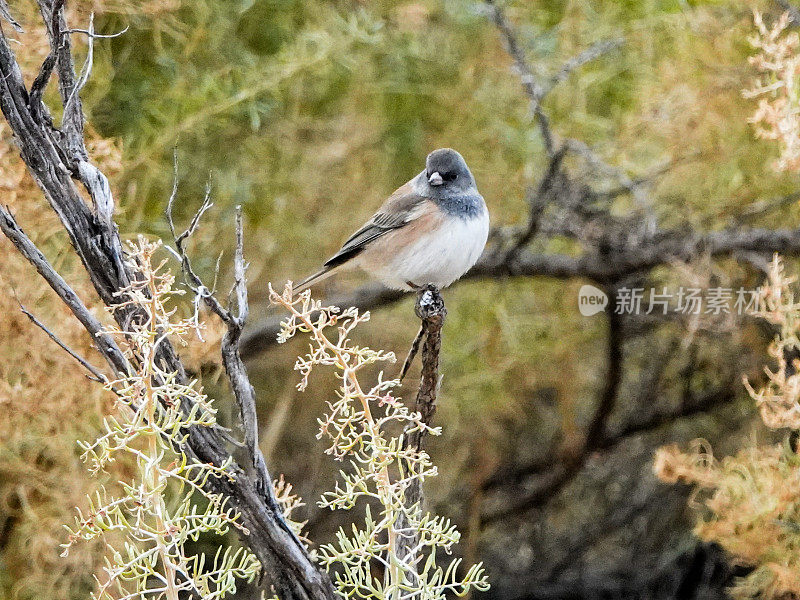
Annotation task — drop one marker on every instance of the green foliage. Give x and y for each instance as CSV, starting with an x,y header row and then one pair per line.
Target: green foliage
x,y
359,424
151,560
310,113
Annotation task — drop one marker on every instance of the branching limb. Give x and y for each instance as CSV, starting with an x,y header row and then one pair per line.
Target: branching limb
x,y
234,320
105,344
72,122
533,89
596,431
240,382
55,158
565,469
537,92
86,70
591,53
537,202
620,258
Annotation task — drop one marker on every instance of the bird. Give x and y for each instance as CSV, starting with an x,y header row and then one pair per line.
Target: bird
x,y
430,231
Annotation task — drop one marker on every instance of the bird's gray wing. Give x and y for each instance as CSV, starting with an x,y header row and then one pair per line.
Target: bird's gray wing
x,y
401,208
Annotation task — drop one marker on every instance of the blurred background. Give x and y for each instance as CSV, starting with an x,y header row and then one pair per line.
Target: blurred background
x,y
309,113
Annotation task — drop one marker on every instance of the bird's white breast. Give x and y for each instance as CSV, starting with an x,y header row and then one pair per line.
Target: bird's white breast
x,y
438,257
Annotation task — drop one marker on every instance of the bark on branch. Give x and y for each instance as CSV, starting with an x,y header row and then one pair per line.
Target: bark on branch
x,y
56,158
616,263
431,311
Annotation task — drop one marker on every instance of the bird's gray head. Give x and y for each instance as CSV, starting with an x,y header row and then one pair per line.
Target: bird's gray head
x,y
446,173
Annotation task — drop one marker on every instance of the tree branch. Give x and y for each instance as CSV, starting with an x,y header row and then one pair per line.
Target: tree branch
x,y
618,261
53,158
571,464
557,474
533,89
96,375
105,343
431,311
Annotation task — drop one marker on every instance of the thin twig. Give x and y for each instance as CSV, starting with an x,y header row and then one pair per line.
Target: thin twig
x,y
231,359
90,33
634,186
412,353
86,69
192,279
591,53
96,375
537,203
533,89
108,347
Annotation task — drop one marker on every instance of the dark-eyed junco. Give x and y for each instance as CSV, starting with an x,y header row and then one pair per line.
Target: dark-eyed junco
x,y
430,231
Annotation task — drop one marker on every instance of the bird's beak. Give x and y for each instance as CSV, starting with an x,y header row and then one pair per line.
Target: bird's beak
x,y
435,178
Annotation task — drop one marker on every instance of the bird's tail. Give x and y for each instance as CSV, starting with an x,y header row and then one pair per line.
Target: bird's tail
x,y
324,273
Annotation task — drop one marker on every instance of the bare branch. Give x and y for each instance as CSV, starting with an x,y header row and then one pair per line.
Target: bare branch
x,y
106,345
5,13
98,36
432,312
412,353
633,186
192,279
231,359
563,470
537,202
40,83
72,121
591,53
618,261
239,268
533,89
95,374
614,367
86,69
762,207
536,93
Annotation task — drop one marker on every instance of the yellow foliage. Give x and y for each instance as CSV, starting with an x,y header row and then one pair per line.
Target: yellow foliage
x,y
778,62
46,402
752,499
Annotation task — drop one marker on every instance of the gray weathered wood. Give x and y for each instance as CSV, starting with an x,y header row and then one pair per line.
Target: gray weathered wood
x,y
56,159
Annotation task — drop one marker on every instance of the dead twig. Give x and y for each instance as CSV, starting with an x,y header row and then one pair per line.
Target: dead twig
x,y
412,353
96,375
431,311
235,320
106,344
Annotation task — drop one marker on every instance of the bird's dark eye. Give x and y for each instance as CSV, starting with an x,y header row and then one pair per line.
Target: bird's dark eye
x,y
449,176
